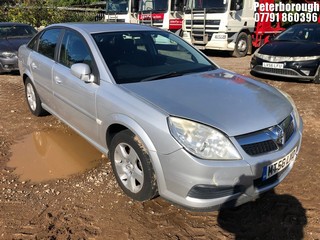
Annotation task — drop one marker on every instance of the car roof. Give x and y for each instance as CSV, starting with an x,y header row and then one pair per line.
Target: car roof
x,y
8,24
94,27
306,24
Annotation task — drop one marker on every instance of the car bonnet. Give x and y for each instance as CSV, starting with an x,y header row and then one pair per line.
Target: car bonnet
x,y
12,44
291,48
229,102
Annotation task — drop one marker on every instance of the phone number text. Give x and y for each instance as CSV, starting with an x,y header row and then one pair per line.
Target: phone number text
x,y
286,17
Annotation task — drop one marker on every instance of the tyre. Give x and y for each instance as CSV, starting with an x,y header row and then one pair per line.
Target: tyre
x,y
132,167
243,44
33,99
316,79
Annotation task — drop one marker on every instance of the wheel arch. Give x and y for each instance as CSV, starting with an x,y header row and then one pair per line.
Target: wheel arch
x,y
236,34
25,76
122,122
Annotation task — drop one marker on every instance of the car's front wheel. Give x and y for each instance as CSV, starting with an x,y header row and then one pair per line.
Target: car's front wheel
x,y
132,166
33,99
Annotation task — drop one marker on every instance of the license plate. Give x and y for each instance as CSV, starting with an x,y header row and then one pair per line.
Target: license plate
x,y
279,165
273,65
200,47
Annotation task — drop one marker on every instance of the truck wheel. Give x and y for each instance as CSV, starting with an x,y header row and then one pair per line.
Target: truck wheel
x,y
132,167
33,99
242,45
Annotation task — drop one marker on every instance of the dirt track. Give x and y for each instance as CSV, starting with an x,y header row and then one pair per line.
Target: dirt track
x,y
91,206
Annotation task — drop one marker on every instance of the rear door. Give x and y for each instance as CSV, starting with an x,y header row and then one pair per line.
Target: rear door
x,y
41,62
75,99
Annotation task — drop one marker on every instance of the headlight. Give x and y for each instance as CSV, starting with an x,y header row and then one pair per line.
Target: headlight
x,y
7,54
202,141
271,58
295,110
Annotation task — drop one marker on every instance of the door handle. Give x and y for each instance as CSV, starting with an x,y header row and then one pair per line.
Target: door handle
x,y
34,66
57,80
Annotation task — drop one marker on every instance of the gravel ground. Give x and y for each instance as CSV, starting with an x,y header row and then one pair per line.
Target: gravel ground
x,y
90,205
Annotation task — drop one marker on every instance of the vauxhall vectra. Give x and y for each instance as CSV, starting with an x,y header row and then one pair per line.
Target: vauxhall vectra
x,y
170,120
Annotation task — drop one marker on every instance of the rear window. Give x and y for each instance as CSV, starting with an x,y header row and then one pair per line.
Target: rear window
x,y
48,42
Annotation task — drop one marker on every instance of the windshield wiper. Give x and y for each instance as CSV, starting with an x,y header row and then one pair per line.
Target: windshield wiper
x,y
162,76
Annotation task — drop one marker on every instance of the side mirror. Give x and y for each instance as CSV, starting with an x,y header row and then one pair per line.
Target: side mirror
x,y
82,71
272,37
233,14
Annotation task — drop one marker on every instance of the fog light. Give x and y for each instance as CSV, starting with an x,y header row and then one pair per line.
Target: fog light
x,y
203,191
306,72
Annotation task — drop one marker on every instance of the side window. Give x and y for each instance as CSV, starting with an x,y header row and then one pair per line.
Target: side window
x,y
177,5
48,41
236,5
74,50
33,44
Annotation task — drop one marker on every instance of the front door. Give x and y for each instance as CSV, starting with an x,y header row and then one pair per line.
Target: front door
x,y
74,98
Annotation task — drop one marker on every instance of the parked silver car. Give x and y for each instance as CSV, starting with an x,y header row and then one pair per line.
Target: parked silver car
x,y
172,122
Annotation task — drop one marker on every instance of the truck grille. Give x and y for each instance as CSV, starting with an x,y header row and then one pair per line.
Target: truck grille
x,y
202,22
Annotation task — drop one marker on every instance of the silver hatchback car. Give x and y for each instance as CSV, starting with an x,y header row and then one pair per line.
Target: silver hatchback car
x,y
172,122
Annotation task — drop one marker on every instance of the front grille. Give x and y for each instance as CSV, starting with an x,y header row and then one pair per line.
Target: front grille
x,y
267,140
284,71
198,36
288,130
202,22
111,20
157,21
260,147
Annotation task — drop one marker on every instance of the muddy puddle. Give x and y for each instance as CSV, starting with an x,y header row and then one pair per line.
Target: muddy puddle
x,y
43,156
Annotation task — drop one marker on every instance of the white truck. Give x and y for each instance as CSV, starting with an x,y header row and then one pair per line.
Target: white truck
x,y
121,11
229,25
165,14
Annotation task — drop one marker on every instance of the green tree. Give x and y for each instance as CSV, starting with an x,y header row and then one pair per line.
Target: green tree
x,y
42,13
73,2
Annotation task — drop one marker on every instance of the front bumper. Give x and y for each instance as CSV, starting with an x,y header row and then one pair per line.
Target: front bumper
x,y
213,41
204,185
9,64
299,70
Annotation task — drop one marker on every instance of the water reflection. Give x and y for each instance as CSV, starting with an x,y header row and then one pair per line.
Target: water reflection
x,y
42,156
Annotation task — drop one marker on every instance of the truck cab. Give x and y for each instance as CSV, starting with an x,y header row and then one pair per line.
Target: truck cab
x,y
227,25
165,14
121,11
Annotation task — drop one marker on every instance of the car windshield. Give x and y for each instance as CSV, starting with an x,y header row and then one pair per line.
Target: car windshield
x,y
117,6
16,31
301,33
146,56
153,5
210,6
